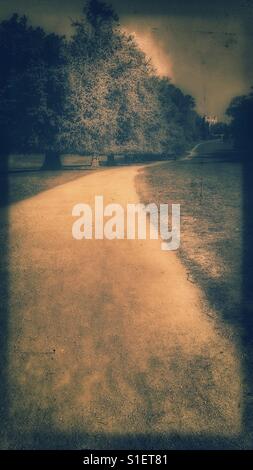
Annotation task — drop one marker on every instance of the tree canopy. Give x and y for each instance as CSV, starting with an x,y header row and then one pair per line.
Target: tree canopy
x,y
95,93
240,111
31,86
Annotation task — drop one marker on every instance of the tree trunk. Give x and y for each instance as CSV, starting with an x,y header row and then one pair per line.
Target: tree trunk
x,y
4,166
110,160
4,150
4,160
52,161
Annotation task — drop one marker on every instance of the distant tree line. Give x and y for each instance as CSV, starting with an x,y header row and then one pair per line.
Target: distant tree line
x,y
96,93
240,112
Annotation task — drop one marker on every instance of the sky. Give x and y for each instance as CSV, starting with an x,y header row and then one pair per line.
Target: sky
x,y
205,47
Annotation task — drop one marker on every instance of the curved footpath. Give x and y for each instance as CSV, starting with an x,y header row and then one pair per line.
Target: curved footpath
x,y
109,338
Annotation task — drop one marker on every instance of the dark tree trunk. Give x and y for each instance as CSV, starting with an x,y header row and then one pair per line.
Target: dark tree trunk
x,y
4,166
4,160
110,160
4,149
52,161
4,185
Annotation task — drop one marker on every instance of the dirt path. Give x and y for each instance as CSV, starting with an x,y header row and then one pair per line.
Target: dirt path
x,y
109,336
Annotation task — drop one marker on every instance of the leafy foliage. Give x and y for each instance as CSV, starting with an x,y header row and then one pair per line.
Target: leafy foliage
x,y
32,85
240,111
96,93
115,102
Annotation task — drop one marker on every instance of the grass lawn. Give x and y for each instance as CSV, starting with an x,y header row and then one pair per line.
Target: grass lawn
x,y
24,185
211,196
25,179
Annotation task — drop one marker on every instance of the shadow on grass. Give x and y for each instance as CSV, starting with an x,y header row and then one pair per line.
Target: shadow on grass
x,y
25,183
247,289
4,309
77,441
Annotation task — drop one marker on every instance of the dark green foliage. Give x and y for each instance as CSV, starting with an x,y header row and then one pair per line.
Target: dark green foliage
x,y
32,88
240,111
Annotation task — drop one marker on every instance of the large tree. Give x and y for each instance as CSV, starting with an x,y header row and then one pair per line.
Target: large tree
x,y
96,93
88,123
116,103
112,106
32,87
181,120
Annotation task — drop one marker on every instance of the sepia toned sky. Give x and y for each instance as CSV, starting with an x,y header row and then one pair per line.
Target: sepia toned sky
x,y
206,47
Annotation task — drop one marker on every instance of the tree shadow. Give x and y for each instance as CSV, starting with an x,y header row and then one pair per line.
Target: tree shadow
x,y
78,441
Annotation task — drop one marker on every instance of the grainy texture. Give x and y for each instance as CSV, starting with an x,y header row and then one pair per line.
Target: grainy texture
x,y
109,342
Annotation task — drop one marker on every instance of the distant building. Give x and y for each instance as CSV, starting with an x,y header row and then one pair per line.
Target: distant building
x,y
211,120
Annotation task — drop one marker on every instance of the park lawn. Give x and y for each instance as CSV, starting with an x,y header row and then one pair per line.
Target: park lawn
x,y
23,185
25,179
211,197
